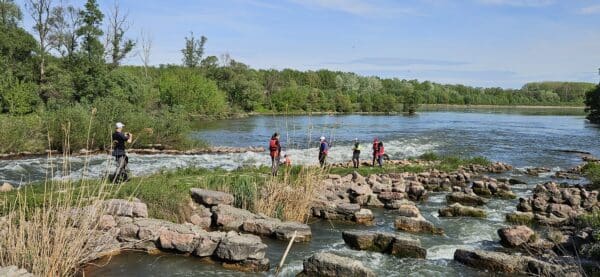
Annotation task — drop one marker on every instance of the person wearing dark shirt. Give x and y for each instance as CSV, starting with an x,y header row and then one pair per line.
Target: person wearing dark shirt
x,y
356,153
323,151
119,139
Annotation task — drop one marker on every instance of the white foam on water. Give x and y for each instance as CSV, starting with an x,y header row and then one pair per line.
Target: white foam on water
x,y
140,165
445,251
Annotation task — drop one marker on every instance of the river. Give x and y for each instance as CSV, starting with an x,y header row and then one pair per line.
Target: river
x,y
521,137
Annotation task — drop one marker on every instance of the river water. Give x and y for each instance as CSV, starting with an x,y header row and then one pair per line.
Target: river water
x,y
521,137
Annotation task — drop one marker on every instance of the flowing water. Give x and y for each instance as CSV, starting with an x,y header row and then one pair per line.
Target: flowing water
x,y
521,137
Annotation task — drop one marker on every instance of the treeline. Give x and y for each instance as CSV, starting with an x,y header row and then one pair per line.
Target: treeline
x,y
66,75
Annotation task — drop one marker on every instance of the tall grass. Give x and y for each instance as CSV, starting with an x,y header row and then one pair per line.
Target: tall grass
x,y
290,197
55,235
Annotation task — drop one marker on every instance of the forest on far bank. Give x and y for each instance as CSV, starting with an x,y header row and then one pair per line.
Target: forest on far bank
x,y
66,76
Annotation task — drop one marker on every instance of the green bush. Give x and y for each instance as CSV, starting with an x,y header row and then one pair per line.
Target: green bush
x,y
198,95
22,133
592,173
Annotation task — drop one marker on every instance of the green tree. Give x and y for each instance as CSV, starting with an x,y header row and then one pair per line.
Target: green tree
x,y
193,50
186,88
90,67
592,102
10,13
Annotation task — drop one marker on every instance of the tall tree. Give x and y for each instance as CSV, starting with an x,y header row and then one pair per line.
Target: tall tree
x,y
41,15
91,31
117,45
63,35
193,51
146,49
89,70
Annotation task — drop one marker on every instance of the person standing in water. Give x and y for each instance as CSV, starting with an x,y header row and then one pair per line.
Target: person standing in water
x,y
375,149
356,153
275,151
323,151
119,139
380,153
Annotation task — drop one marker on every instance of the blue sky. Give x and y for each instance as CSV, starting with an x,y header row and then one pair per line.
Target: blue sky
x,y
502,43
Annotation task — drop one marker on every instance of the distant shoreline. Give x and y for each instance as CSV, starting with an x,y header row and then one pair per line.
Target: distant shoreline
x,y
421,109
503,106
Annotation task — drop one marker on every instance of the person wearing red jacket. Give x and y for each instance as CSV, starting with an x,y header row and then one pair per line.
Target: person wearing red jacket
x,y
375,149
275,151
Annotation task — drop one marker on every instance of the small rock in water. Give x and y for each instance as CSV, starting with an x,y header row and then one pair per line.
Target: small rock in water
x,y
384,243
457,209
516,236
330,265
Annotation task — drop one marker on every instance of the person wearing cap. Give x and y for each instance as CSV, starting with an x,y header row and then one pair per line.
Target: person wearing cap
x,y
323,151
356,153
119,139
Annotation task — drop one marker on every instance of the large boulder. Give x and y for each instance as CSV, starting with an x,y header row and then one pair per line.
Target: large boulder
x,y
516,236
120,207
416,225
465,199
384,243
210,197
243,252
492,261
230,218
457,209
285,231
238,247
330,265
512,264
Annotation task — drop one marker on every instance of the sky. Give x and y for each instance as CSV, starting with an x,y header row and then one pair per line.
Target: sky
x,y
488,43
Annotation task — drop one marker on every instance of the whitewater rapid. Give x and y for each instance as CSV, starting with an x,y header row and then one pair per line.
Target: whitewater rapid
x,y
22,171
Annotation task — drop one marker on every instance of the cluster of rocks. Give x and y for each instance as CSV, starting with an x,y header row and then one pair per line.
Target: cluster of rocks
x,y
13,271
387,243
514,264
214,209
536,171
553,205
490,187
465,197
496,167
125,226
410,220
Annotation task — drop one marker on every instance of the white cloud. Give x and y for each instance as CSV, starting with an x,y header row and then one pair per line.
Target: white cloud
x,y
355,7
519,3
594,9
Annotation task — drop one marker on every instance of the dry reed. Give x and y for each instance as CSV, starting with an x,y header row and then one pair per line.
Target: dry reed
x,y
290,198
55,235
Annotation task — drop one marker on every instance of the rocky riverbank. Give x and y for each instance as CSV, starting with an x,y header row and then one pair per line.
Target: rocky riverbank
x,y
214,229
